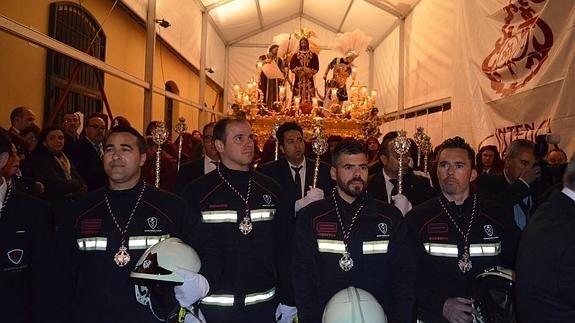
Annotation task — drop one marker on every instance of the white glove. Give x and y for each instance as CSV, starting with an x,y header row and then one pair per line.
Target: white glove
x,y
195,287
314,194
402,203
285,314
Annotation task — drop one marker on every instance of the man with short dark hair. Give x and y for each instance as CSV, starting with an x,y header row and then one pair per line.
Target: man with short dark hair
x,y
517,188
199,167
383,185
546,258
107,232
25,241
456,236
240,209
70,125
350,239
20,118
88,152
295,174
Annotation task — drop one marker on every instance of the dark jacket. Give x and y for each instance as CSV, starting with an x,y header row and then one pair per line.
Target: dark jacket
x,y
416,188
374,245
546,263
88,163
188,173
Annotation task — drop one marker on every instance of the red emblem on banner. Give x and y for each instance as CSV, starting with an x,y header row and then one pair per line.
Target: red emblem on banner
x,y
521,50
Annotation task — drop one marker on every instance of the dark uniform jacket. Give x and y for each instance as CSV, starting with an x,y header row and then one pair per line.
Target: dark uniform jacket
x,y
374,245
546,263
247,263
439,247
92,287
88,163
188,172
281,172
416,188
25,241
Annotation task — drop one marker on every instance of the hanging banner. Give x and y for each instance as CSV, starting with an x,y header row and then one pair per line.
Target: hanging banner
x,y
515,59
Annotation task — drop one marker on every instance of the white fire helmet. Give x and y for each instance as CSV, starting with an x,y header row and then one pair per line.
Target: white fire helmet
x,y
353,305
156,267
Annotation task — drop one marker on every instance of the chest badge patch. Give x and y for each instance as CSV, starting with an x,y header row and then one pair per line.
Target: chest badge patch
x,y
15,255
382,228
488,228
152,222
267,198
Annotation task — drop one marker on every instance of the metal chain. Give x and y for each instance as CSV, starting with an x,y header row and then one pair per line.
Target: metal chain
x,y
348,232
466,235
123,232
247,198
9,188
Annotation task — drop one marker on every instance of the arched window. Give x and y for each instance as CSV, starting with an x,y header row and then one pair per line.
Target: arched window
x,y
79,86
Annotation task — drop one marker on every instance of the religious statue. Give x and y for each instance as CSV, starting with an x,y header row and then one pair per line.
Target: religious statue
x,y
271,76
304,64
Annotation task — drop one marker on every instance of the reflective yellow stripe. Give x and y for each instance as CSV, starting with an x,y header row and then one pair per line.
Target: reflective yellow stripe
x,y
219,216
144,242
484,249
228,299
92,243
262,215
331,246
441,249
372,247
255,298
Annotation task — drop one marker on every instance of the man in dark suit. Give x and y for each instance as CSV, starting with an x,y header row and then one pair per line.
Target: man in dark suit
x,y
517,187
546,259
295,174
20,118
70,124
87,154
201,166
383,185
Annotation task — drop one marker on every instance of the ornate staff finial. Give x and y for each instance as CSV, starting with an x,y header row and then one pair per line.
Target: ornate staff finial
x,y
181,127
159,135
319,147
418,138
401,146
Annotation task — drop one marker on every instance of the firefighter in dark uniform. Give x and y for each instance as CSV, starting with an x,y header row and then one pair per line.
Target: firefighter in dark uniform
x,y
25,232
238,207
456,236
109,230
349,239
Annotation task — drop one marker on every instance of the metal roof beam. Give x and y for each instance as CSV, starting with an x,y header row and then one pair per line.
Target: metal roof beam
x,y
257,31
260,16
389,31
345,15
387,8
321,23
217,4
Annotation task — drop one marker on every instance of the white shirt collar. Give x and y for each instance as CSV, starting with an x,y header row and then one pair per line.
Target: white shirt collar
x,y
3,190
569,192
296,166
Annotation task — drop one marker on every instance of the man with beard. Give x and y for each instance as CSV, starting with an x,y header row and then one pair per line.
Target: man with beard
x,y
240,209
349,239
456,236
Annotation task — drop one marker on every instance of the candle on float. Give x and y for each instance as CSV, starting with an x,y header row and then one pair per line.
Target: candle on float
x,y
282,92
333,92
314,102
296,101
353,72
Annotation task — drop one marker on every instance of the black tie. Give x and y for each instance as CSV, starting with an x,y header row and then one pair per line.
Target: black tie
x,y
394,190
297,181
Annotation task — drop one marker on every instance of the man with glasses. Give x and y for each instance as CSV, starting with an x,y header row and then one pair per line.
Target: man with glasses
x,y
87,154
196,168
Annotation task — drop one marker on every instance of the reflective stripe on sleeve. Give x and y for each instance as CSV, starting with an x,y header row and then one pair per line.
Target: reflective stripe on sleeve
x,y
223,216
373,247
262,215
484,249
228,299
441,249
330,246
92,243
256,298
144,242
